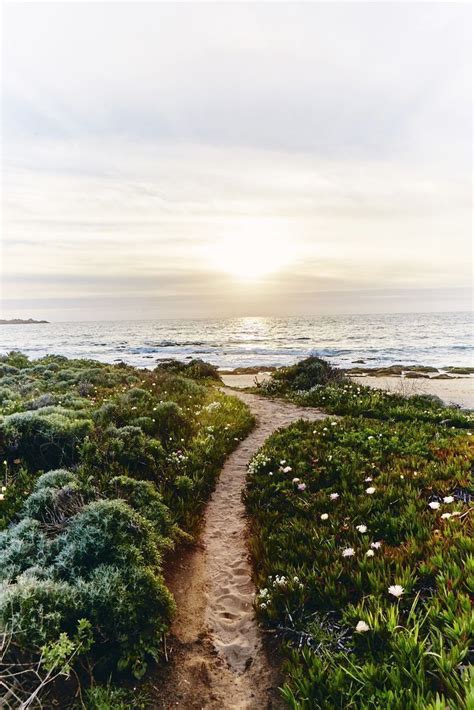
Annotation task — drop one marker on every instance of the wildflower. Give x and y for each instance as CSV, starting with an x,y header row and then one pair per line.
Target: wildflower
x,y
370,490
448,499
287,469
369,553
283,462
369,438
368,479
402,476
333,423
301,486
446,516
2,497
334,496
456,512
4,488
376,545
324,516
362,627
361,528
396,590
348,552
434,505
296,480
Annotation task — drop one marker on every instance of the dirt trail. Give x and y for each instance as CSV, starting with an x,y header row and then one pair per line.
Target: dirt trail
x,y
217,658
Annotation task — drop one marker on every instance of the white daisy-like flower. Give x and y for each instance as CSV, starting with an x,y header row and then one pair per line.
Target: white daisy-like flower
x,y
396,590
434,505
446,516
324,516
361,528
295,480
348,552
301,486
376,545
456,512
287,469
362,627
333,423
369,553
368,479
448,499
2,497
283,462
370,490
334,496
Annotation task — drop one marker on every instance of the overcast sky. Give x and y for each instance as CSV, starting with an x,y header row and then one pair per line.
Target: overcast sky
x,y
175,159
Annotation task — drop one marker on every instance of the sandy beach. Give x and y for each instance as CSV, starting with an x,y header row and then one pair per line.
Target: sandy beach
x,y
458,391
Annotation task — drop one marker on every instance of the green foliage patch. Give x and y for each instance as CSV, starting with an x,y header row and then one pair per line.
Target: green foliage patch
x,y
363,552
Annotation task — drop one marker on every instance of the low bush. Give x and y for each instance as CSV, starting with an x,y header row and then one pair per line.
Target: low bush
x,y
130,459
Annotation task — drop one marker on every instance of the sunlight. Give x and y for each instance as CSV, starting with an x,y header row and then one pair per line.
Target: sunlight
x,y
252,251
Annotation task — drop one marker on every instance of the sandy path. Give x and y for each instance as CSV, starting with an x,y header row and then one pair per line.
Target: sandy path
x,y
218,659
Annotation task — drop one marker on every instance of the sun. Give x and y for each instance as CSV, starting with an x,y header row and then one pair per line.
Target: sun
x,y
250,252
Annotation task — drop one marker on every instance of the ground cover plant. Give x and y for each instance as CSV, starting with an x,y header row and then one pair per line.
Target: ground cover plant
x,y
363,553
315,383
105,469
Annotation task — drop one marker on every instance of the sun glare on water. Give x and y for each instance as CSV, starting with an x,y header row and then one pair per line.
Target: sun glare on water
x,y
250,254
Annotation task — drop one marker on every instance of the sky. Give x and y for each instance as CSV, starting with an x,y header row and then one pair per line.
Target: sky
x,y
176,159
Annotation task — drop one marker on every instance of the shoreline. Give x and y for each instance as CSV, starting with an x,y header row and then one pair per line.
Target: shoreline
x,y
453,389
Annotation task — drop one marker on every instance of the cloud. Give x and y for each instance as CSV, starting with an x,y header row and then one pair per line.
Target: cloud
x,y
140,135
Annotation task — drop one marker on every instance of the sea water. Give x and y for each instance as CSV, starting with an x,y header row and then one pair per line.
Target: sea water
x,y
438,339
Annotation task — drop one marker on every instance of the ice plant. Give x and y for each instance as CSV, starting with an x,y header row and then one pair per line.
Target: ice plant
x,y
448,499
348,552
324,516
396,590
362,627
334,496
434,505
376,545
369,553
370,490
301,486
361,528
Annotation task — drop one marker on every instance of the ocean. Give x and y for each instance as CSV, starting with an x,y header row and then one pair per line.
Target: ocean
x,y
437,339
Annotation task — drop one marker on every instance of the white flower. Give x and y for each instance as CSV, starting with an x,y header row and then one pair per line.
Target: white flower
x,y
402,476
2,497
446,516
369,438
301,486
324,516
283,462
361,528
434,505
368,479
362,627
456,512
4,488
369,553
396,590
333,423
296,480
448,499
376,545
287,469
370,490
348,552
334,496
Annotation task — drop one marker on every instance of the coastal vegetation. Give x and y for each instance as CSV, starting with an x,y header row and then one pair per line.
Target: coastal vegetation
x,y
105,470
362,546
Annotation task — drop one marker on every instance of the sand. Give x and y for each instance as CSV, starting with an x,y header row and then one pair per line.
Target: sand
x,y
218,658
458,391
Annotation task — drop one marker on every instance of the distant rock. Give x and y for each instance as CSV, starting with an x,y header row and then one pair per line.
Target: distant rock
x,y
21,321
